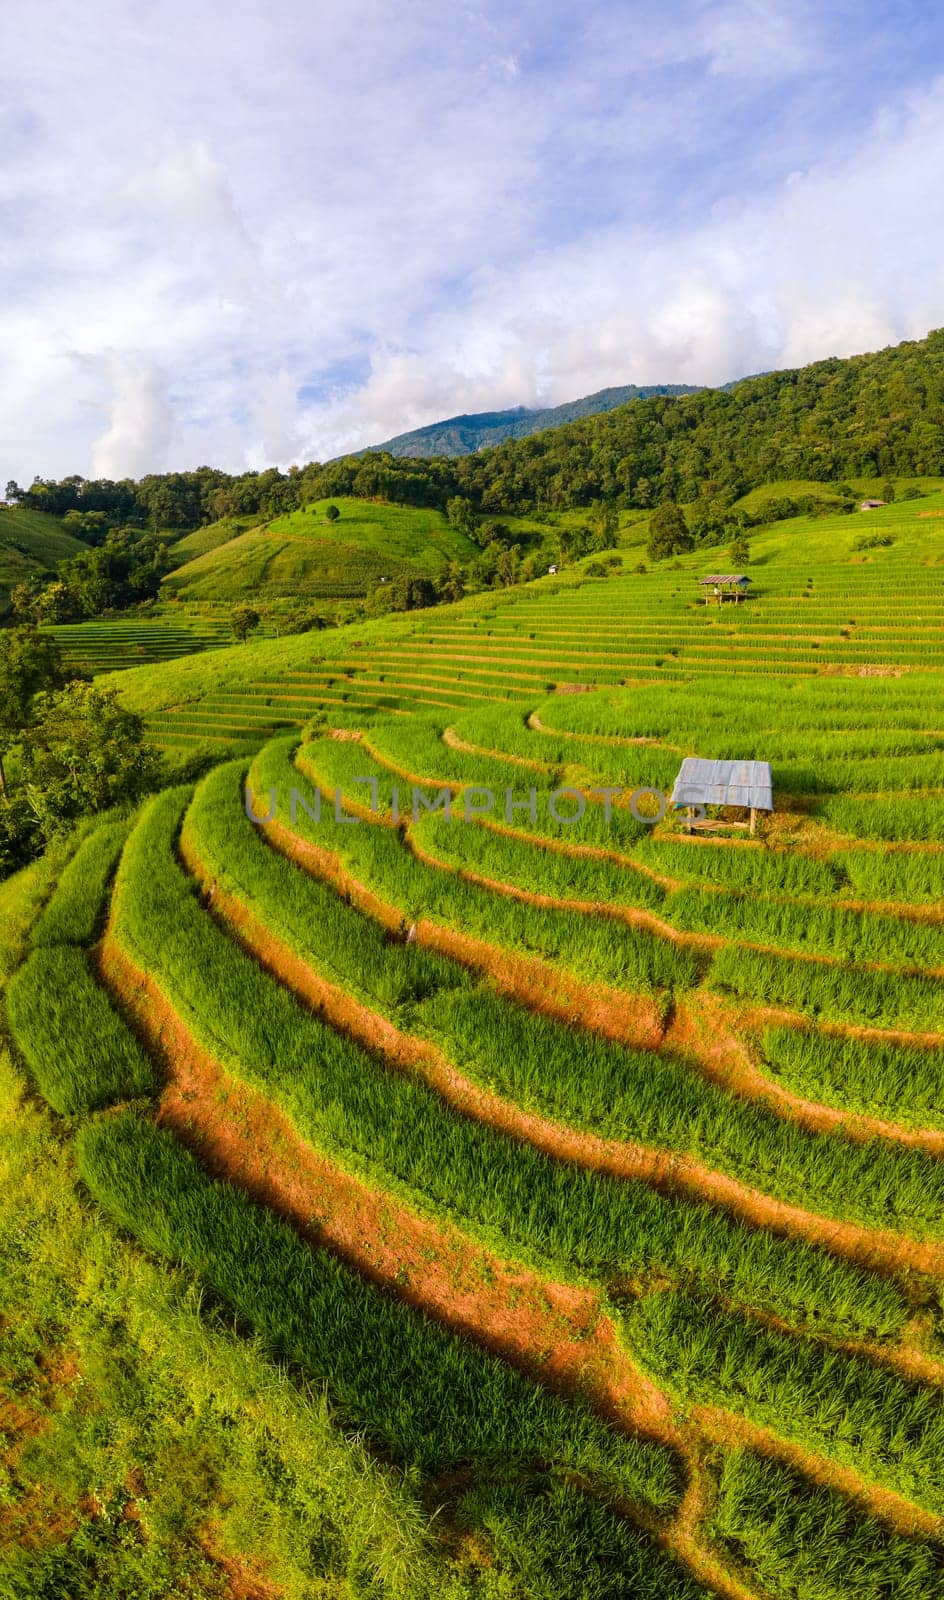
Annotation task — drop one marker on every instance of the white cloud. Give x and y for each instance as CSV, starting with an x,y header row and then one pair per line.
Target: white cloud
x,y
140,423
231,207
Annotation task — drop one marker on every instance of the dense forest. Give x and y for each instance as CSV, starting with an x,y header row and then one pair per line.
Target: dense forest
x,y
873,415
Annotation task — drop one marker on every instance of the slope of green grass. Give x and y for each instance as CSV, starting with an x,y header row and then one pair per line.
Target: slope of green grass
x,y
202,541
301,555
32,545
38,536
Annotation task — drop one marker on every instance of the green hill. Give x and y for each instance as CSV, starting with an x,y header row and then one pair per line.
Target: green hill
x,y
871,416
32,544
460,436
303,556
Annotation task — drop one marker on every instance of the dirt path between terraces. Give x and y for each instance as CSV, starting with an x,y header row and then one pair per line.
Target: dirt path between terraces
x,y
671,1173
726,1428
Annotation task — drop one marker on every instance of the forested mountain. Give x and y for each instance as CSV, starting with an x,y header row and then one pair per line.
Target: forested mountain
x,y
461,436
870,415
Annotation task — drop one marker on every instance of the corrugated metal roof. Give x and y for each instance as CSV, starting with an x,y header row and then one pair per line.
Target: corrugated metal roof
x,y
724,783
726,577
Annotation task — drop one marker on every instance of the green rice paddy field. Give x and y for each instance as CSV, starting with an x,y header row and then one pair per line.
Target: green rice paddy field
x,y
473,1202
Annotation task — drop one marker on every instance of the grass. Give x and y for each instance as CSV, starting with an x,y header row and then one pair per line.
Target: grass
x,y
561,1544
834,673
557,1071
841,993
32,544
116,643
886,1428
802,1542
302,553
23,895
75,909
79,1052
147,1441
903,1084
431,1399
399,1134
599,950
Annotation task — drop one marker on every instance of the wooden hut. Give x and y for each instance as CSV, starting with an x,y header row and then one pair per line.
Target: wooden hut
x,y
746,785
724,586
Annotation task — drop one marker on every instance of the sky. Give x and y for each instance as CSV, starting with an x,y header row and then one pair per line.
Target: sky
x,y
248,234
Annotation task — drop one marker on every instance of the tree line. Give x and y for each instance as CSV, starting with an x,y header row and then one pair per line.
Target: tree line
x,y
878,415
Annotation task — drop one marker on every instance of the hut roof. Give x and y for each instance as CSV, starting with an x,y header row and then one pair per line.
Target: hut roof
x,y
724,783
730,577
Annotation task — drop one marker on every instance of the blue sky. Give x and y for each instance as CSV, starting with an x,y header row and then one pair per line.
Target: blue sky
x,y
254,233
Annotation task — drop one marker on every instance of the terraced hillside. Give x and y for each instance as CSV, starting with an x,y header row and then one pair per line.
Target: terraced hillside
x,y
591,1169
860,594
112,643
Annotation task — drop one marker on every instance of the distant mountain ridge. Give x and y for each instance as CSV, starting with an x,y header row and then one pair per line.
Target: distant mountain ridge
x,y
463,435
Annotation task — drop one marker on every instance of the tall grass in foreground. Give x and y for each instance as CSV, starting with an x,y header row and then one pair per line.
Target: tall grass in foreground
x,y
79,1051
802,1542
413,1389
76,908
172,1415
400,1134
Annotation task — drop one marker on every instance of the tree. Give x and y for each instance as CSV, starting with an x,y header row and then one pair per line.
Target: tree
x,y
452,583
739,551
57,602
85,753
507,566
412,594
331,514
87,525
244,621
30,663
604,525
24,599
459,513
888,492
668,532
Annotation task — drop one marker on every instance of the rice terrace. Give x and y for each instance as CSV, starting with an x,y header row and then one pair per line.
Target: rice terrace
x,y
472,1029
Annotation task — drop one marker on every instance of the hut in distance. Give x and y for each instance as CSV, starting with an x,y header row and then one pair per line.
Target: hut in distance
x,y
720,586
